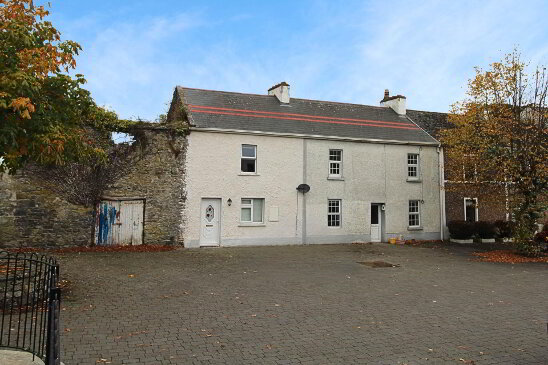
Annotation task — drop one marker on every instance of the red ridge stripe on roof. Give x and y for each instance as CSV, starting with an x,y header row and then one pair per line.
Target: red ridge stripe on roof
x,y
299,115
302,119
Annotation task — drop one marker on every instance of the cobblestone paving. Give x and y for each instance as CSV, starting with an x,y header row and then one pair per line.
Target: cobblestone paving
x,y
303,305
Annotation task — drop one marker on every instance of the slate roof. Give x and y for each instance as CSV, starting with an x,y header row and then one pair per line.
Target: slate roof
x,y
431,122
264,113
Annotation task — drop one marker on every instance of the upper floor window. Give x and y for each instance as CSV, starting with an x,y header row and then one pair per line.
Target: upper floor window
x,y
334,213
249,158
414,213
335,163
413,166
469,169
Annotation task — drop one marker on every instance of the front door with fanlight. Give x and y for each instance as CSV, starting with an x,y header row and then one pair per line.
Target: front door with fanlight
x,y
210,232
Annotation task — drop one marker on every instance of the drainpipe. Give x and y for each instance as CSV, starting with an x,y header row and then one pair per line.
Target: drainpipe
x,y
442,190
303,238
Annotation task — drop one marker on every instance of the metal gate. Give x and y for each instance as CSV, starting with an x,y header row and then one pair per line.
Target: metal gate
x,y
119,222
30,300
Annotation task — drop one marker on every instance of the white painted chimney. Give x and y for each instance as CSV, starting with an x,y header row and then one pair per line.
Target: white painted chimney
x,y
281,91
397,103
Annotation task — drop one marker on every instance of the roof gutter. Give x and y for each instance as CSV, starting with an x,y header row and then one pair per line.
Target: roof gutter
x,y
313,136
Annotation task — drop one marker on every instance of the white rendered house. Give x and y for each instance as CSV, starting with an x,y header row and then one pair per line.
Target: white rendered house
x,y
270,169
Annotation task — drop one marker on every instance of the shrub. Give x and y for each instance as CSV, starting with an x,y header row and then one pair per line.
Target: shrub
x,y
461,230
529,248
484,229
504,228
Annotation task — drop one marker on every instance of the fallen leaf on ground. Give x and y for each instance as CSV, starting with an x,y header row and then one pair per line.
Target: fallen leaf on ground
x,y
507,256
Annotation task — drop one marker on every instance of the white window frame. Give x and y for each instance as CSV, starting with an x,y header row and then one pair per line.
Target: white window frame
x,y
476,207
330,214
242,157
250,205
464,177
417,213
415,165
338,164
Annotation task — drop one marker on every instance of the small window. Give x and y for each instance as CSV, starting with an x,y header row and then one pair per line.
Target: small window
x,y
335,163
413,166
252,211
249,158
469,173
414,213
334,213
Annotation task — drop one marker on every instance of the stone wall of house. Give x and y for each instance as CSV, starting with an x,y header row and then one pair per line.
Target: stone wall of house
x,y
157,175
488,210
32,213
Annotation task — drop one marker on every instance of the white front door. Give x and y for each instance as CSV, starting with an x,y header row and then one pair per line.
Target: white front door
x,y
210,213
375,223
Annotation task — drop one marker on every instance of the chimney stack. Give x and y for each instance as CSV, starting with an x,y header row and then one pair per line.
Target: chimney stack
x,y
397,103
281,91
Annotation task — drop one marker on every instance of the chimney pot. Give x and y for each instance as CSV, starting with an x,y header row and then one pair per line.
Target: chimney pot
x,y
386,93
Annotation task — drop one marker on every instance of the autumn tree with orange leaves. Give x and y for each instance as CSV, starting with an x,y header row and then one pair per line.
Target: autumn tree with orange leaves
x,y
45,114
500,141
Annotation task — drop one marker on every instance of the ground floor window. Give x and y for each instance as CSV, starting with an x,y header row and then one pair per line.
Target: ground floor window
x,y
252,210
334,213
414,213
471,209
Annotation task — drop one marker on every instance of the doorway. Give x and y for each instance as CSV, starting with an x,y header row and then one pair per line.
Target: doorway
x,y
210,218
376,225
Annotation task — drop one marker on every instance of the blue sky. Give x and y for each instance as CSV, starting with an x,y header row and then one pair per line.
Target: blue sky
x,y
135,52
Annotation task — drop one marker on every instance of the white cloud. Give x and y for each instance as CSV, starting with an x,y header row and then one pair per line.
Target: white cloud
x,y
424,50
427,51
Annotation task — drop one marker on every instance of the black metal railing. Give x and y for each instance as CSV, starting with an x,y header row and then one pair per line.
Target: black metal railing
x,y
30,304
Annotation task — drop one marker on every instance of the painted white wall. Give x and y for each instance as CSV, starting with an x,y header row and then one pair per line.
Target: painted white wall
x,y
372,173
213,170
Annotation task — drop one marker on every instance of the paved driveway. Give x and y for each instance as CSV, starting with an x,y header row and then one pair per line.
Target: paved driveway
x,y
303,304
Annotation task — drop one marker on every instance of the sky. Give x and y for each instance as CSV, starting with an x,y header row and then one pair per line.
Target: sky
x,y
135,52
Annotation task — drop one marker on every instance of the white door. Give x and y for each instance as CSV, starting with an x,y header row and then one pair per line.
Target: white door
x,y
375,223
119,222
210,213
131,230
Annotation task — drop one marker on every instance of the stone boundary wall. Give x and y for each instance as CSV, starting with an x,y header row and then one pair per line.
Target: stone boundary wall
x,y
158,177
33,215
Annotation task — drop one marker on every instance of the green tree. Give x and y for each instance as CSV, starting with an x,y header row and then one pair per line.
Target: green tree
x,y
500,137
45,114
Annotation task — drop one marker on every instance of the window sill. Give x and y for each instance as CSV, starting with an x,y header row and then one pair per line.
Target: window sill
x,y
248,174
251,225
339,178
419,228
413,180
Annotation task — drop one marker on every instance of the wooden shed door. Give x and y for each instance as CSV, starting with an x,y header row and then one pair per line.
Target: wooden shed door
x,y
119,222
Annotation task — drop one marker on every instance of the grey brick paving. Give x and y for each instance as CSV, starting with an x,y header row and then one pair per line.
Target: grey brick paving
x,y
302,305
